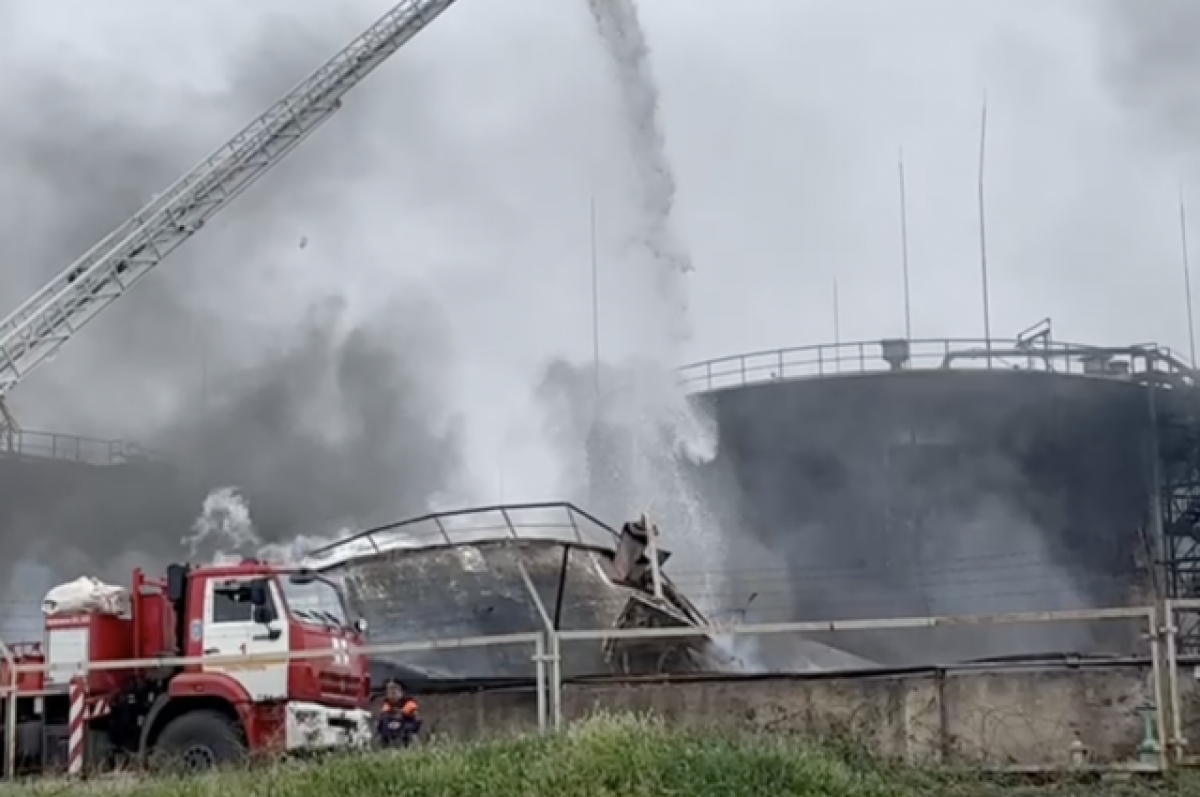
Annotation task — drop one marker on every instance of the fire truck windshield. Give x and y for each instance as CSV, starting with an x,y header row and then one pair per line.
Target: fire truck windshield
x,y
315,601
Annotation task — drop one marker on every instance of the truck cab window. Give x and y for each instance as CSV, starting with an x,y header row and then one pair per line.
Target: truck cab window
x,y
231,603
315,603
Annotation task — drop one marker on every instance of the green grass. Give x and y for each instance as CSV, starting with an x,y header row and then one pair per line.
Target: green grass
x,y
612,757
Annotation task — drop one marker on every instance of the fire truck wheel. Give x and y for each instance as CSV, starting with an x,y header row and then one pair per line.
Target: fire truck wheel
x,y
197,741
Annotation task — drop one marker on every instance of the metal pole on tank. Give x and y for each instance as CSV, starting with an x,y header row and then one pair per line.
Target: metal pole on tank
x,y
837,328
1187,276
983,262
904,246
595,300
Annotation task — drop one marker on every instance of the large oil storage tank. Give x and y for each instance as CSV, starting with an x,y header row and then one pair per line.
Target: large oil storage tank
x,y
897,478
60,492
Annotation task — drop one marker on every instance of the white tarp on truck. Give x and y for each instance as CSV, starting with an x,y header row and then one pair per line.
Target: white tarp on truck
x,y
86,595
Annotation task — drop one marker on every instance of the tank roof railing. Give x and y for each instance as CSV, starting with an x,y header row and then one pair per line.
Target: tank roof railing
x,y
889,355
70,448
553,522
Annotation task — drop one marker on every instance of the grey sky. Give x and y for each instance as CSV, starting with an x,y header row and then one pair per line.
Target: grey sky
x,y
458,177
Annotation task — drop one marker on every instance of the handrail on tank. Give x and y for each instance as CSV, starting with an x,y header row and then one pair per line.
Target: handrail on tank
x,y
438,530
1151,353
877,356
71,448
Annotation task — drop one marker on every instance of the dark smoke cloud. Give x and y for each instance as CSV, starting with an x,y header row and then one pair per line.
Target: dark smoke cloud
x,y
234,362
338,429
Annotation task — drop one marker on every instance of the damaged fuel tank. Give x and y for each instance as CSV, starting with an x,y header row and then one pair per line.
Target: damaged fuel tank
x,y
509,570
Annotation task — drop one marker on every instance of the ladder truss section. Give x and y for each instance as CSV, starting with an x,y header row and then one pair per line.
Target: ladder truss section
x,y
35,331
1178,445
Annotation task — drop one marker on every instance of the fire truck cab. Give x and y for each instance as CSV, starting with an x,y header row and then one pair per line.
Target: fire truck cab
x,y
108,689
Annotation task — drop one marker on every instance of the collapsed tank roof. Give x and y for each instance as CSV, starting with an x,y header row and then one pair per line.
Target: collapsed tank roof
x,y
518,569
506,570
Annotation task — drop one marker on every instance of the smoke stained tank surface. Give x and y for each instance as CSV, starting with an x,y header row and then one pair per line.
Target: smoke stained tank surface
x,y
495,570
930,479
70,504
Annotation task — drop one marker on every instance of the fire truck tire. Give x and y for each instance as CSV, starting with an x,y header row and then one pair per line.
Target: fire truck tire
x,y
198,740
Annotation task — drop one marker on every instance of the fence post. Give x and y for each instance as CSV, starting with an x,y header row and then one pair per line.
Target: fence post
x,y
1158,677
539,664
556,681
77,726
1177,745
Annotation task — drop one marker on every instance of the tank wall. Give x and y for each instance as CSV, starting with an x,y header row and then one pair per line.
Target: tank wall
x,y
931,492
478,590
73,519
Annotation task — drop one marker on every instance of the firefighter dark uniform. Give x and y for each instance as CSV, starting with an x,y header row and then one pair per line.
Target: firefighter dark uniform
x,y
399,718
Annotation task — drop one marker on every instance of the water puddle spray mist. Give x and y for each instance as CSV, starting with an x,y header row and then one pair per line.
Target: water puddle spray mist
x,y
663,434
656,439
620,29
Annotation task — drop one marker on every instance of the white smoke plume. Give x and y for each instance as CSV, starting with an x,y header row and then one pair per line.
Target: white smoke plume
x,y
224,530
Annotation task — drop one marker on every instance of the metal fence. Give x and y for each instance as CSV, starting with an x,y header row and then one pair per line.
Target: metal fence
x,y
867,357
1161,690
70,448
1168,631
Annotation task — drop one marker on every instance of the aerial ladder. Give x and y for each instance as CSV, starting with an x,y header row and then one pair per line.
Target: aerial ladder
x,y
35,331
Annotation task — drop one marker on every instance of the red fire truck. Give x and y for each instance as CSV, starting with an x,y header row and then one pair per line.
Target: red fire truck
x,y
77,713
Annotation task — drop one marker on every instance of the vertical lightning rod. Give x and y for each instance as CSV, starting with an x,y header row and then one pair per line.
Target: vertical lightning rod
x,y
1187,276
837,326
595,300
904,247
983,260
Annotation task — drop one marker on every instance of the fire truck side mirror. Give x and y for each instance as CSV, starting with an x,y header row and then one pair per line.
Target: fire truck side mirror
x,y
259,594
260,599
360,625
177,576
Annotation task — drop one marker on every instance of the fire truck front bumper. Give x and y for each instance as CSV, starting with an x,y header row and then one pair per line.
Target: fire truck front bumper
x,y
313,727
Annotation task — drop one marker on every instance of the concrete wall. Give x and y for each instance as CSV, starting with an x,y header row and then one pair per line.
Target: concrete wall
x,y
1027,717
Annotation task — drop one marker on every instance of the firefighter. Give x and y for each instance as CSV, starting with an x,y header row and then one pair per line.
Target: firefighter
x,y
399,718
